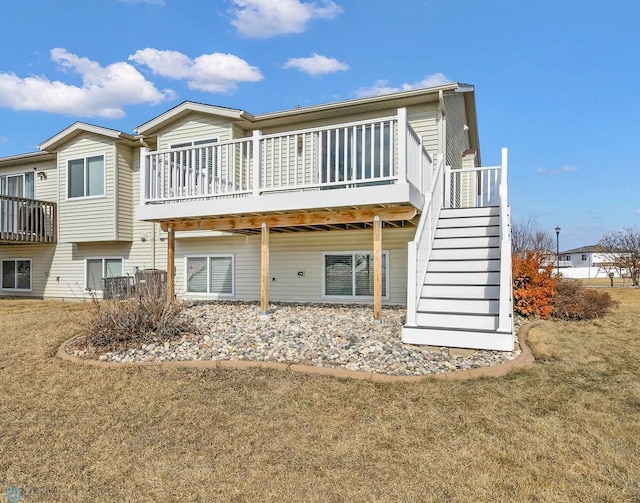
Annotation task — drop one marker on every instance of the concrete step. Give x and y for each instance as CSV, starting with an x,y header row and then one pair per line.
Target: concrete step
x,y
444,337
462,278
457,320
467,265
468,306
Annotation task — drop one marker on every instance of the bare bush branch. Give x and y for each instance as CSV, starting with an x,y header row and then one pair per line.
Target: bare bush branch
x,y
527,237
623,249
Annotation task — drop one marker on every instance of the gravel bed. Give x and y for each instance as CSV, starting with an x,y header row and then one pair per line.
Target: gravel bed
x,y
338,336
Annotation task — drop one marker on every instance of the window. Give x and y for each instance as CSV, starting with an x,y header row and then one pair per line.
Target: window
x,y
210,274
351,274
85,177
98,268
16,274
584,257
19,185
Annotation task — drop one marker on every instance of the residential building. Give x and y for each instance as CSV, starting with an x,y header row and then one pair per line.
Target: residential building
x,y
378,200
588,262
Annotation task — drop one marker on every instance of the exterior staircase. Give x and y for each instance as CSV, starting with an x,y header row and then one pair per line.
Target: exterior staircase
x,y
459,291
459,303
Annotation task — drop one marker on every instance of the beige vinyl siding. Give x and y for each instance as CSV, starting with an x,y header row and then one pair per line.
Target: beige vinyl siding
x,y
46,189
424,120
457,143
87,219
195,126
291,253
126,156
457,137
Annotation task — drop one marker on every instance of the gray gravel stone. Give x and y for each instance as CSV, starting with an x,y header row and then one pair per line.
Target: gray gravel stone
x,y
323,335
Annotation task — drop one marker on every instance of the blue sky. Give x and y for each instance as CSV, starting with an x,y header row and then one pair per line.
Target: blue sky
x,y
557,82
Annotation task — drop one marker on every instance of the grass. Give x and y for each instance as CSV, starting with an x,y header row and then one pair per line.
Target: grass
x,y
565,429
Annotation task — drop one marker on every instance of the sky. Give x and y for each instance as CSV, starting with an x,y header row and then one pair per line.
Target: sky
x,y
557,81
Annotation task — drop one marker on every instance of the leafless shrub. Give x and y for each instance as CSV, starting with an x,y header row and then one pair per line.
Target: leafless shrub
x,y
573,301
147,315
527,237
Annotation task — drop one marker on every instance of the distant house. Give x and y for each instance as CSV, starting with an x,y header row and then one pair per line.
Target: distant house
x,y
587,262
378,200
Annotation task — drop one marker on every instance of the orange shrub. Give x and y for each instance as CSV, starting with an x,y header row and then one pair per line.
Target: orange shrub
x,y
533,286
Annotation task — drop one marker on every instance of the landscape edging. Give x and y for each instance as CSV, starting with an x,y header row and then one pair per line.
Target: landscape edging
x,y
523,359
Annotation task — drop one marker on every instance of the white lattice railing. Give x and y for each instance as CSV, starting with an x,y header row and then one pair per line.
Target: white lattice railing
x,y
381,151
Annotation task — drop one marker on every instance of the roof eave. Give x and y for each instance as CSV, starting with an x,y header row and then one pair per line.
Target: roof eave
x,y
77,128
187,107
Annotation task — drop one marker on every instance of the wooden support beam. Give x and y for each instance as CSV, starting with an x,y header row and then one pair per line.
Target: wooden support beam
x,y
377,268
390,214
264,269
171,253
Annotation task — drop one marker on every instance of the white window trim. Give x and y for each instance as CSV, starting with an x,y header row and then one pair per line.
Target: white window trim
x,y
207,294
211,140
104,177
86,288
354,297
22,173
30,289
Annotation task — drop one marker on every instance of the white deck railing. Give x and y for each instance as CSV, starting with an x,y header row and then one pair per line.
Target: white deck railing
x,y
472,187
381,151
419,250
27,220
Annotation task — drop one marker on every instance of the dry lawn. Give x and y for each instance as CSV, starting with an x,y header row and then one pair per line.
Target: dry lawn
x,y
565,429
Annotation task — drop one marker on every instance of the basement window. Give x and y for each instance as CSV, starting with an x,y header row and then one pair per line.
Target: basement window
x,y
350,274
98,268
16,275
210,274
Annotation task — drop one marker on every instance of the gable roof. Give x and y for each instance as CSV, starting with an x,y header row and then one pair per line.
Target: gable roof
x,y
327,110
78,128
584,249
185,108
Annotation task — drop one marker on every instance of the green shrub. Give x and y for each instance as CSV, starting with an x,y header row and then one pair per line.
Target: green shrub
x,y
573,301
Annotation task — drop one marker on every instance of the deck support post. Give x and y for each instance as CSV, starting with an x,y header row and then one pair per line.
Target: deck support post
x,y
171,249
377,268
264,269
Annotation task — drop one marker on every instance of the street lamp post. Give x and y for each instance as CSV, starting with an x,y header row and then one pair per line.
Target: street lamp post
x,y
557,229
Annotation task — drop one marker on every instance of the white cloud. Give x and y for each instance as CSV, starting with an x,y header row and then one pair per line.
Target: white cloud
x,y
557,171
267,18
383,87
104,91
215,72
316,64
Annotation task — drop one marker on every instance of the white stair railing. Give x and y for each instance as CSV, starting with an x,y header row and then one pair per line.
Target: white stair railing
x,y
419,250
505,321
